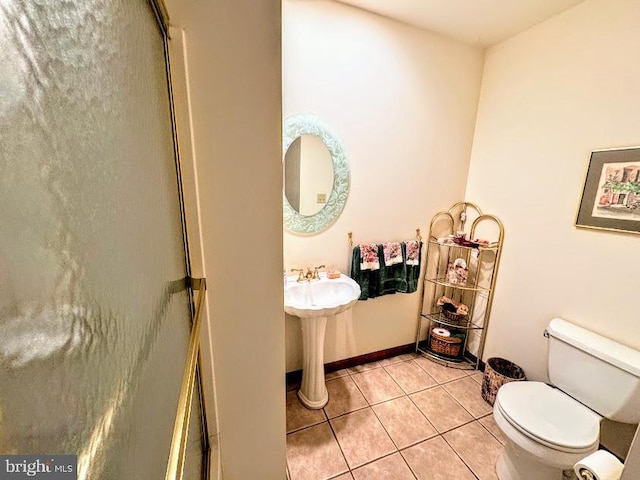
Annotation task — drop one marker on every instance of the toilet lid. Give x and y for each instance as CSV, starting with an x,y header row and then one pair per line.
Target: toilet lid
x,y
548,414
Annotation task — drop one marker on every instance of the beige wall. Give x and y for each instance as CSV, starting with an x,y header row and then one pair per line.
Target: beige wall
x,y
234,89
549,97
188,169
404,102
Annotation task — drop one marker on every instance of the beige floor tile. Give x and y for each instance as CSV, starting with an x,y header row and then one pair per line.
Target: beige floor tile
x,y
441,409
477,377
361,437
436,460
377,385
344,476
441,373
392,467
336,374
300,417
410,376
477,447
490,424
404,423
344,397
400,358
467,393
314,454
364,367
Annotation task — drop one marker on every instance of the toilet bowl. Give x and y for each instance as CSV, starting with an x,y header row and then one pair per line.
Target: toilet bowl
x,y
547,431
549,428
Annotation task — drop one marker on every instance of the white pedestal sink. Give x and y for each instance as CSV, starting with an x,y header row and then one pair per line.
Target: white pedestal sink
x,y
313,302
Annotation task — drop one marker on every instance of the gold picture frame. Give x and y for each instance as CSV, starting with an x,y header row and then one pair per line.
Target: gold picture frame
x,y
611,193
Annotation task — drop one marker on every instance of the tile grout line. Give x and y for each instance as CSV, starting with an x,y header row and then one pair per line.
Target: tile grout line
x,y
423,414
490,432
460,457
394,381
398,450
335,436
385,456
324,415
430,388
306,427
385,428
347,413
415,475
456,400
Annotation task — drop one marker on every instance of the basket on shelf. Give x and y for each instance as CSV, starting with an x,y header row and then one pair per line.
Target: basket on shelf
x,y
455,312
449,346
453,317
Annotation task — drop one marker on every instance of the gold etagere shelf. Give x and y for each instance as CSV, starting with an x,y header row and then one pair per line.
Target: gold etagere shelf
x,y
457,340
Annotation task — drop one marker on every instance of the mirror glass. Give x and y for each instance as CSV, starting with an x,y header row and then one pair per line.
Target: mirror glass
x,y
308,174
316,174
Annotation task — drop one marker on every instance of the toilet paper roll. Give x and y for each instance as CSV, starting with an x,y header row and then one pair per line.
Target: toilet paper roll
x,y
443,332
600,465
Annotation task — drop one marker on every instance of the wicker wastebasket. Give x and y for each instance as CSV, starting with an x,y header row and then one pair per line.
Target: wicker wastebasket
x,y
497,372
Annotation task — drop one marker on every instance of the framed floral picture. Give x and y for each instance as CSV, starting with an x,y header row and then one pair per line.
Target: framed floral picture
x,y
611,193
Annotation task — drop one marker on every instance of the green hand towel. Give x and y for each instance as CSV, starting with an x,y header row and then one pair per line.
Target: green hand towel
x,y
369,280
413,271
393,278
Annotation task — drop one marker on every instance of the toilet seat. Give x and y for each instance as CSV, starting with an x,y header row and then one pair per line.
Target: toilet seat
x,y
549,416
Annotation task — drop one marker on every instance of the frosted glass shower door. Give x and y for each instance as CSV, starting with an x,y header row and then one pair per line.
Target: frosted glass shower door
x,y
95,315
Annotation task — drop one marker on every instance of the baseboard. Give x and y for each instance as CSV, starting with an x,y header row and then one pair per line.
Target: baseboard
x,y
369,357
296,375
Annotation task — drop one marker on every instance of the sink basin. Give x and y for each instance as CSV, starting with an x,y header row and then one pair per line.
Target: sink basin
x,y
313,302
321,298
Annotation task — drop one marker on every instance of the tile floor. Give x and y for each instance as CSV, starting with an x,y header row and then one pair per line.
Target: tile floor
x,y
401,418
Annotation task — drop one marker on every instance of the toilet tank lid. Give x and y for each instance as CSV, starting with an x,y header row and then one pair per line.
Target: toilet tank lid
x,y
610,351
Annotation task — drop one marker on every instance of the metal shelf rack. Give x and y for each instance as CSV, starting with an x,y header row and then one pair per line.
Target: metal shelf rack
x,y
476,293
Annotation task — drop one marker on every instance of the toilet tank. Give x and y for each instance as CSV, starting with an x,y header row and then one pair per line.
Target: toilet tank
x,y
600,373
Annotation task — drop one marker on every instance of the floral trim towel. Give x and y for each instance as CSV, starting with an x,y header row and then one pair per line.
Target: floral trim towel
x,y
369,259
392,253
413,252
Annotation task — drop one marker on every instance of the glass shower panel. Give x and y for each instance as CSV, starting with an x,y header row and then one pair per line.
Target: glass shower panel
x,y
94,311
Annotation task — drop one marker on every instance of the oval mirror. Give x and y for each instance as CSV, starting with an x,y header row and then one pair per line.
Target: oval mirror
x,y
308,174
316,174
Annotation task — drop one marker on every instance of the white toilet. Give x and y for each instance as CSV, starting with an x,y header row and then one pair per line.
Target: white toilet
x,y
549,428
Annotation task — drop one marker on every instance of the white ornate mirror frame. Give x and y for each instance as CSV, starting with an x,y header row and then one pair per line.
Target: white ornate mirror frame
x,y
295,126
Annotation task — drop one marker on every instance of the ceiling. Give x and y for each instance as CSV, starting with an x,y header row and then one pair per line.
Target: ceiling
x,y
477,22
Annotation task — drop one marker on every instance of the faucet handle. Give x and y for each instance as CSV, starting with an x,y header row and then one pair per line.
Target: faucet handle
x,y
315,271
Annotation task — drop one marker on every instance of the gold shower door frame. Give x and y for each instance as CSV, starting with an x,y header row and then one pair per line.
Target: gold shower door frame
x,y
192,371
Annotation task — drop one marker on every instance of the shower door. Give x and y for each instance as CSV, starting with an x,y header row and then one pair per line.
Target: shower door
x,y
95,313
